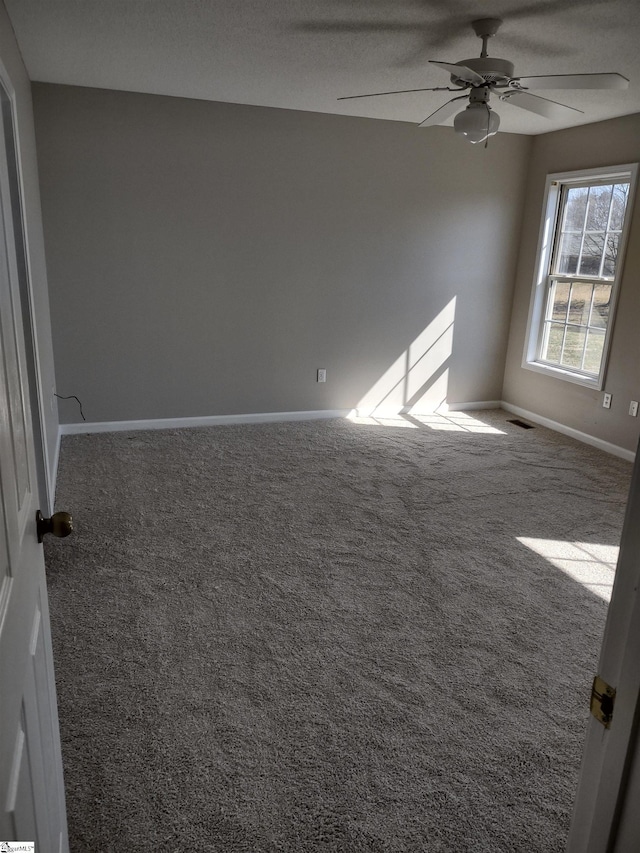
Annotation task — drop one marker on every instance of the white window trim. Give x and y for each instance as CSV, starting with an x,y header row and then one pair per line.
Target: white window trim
x,y
546,239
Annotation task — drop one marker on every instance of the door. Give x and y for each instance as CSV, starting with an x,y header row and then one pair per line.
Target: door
x,y
606,817
31,790
627,836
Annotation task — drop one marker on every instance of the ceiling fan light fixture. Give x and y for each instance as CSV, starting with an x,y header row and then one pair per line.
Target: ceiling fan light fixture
x,y
477,122
480,77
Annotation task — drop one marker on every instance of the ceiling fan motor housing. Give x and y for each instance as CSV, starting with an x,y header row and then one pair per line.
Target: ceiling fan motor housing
x,y
497,72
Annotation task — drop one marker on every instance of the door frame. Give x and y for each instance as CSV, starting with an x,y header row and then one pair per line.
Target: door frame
x,y
32,772
44,467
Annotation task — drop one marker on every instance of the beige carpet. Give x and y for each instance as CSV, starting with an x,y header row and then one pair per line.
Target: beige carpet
x,y
329,636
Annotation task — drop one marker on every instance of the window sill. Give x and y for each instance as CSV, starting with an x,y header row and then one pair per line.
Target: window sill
x,y
595,382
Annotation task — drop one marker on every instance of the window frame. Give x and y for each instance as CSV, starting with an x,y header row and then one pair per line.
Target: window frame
x,y
544,277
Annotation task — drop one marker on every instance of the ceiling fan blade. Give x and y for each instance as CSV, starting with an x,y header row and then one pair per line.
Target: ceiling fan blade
x,y
442,113
541,106
574,81
398,92
461,71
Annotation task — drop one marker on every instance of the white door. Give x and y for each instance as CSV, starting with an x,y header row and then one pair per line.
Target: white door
x,y
31,790
627,834
606,816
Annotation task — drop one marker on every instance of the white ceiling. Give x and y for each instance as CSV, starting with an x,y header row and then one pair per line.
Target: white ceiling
x,y
303,54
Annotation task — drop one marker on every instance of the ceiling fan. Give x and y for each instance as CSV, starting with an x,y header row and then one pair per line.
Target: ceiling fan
x,y
480,78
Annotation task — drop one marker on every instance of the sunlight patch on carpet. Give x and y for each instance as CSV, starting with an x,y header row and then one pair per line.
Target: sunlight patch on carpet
x,y
456,422
591,564
401,421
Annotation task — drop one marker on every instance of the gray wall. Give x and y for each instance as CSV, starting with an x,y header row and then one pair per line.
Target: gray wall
x,y
603,144
206,258
47,427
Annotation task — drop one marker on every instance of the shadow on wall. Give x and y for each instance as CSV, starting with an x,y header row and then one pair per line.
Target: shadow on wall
x,y
417,382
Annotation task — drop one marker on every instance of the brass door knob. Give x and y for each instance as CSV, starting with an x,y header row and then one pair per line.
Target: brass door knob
x,y
60,524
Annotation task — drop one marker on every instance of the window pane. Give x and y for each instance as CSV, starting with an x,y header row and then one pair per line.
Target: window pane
x,y
575,208
593,353
570,316
568,254
573,347
580,304
553,343
592,249
599,204
611,255
620,196
601,302
560,301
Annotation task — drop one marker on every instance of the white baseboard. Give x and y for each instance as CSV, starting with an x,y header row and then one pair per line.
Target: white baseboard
x,y
207,420
272,417
471,407
614,449
440,408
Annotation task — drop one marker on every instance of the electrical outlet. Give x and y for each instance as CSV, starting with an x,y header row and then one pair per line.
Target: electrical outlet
x,y
606,401
322,374
633,408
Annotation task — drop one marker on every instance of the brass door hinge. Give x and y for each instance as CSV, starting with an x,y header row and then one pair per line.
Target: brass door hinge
x,y
603,698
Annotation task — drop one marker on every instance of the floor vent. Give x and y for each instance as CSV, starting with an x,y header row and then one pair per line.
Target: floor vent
x,y
521,424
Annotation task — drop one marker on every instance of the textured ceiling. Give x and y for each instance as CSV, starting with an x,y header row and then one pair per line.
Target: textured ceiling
x,y
303,54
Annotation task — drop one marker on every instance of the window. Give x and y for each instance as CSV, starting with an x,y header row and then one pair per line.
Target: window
x,y
580,258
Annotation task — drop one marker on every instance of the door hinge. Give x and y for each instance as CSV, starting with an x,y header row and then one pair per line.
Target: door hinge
x,y
603,698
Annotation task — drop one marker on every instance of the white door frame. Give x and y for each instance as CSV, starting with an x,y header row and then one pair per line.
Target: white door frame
x,y
32,805
36,757
30,325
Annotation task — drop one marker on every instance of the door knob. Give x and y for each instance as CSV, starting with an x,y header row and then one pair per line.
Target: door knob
x,y
60,524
